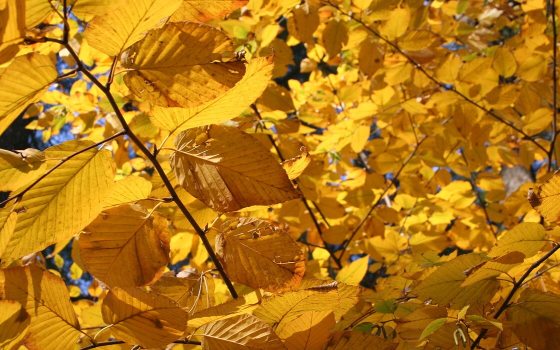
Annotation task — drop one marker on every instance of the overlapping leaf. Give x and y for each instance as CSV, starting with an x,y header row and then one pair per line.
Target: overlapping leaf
x,y
225,107
204,10
139,317
22,83
128,190
125,246
544,198
182,64
18,169
44,296
310,331
125,24
14,324
239,332
260,254
62,203
228,169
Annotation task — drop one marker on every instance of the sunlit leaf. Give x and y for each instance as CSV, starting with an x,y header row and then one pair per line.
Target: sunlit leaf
x,y
239,332
228,169
309,331
18,169
14,324
139,317
128,190
205,10
45,298
64,202
125,24
544,198
260,254
125,246
354,272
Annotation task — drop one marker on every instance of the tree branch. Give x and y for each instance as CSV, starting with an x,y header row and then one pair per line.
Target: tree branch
x,y
554,85
422,70
106,90
64,160
516,286
303,199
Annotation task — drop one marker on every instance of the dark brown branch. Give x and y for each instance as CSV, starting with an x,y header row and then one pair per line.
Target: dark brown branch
x,y
422,70
303,199
516,287
554,85
152,158
378,201
64,160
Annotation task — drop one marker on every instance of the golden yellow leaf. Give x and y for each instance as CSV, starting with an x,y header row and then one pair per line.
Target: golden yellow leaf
x,y
303,23
243,305
12,17
334,37
443,286
239,332
125,246
354,272
139,317
22,83
504,62
360,138
397,24
19,168
228,169
285,308
411,326
44,296
36,11
536,319
128,190
310,331
260,254
93,7
545,198
64,202
14,324
526,237
205,10
125,24
225,107
181,65
191,292
294,167
7,225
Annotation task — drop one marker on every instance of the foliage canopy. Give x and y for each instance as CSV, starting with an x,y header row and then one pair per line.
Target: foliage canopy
x,y
280,174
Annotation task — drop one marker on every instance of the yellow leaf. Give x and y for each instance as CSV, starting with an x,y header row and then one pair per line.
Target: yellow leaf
x,y
22,83
191,292
125,24
303,23
504,62
14,324
75,272
205,10
242,305
53,322
239,332
260,254
228,169
360,138
285,308
125,246
181,65
12,17
537,121
64,202
536,319
180,246
294,167
36,11
19,168
334,37
310,331
397,24
354,272
225,107
7,224
128,190
139,317
526,237
93,7
443,286
545,198
357,340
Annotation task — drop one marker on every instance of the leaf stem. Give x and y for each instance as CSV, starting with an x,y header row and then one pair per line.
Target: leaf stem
x,y
554,85
516,286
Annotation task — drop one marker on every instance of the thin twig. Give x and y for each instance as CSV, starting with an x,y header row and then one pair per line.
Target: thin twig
x,y
516,286
554,85
152,158
303,198
62,161
116,342
422,70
